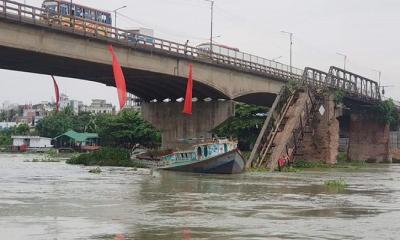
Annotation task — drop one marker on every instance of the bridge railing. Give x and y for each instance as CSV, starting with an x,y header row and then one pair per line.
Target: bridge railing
x,y
352,84
28,14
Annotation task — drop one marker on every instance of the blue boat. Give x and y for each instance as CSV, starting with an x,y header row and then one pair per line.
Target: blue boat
x,y
216,157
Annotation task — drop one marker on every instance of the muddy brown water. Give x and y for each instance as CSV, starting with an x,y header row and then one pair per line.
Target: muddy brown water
x,y
59,201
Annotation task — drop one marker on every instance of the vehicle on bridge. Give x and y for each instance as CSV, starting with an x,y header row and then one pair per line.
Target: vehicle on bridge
x,y
204,50
78,16
140,36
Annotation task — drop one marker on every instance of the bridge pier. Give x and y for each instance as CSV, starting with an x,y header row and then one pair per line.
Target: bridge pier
x,y
179,130
368,138
321,143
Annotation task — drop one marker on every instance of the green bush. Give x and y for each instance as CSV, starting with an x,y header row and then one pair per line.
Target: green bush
x,y
114,157
387,111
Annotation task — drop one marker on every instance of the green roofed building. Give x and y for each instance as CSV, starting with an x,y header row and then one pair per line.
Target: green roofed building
x,y
77,141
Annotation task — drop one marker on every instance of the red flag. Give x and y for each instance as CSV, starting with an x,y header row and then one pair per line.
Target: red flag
x,y
189,93
186,234
57,91
119,78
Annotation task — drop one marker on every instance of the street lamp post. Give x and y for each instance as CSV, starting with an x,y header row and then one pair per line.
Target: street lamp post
x,y
291,49
345,59
115,15
212,24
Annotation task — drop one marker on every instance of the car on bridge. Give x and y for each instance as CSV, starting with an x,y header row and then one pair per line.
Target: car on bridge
x,y
204,50
140,36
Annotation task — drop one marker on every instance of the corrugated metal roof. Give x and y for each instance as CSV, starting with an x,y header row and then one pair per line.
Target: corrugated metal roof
x,y
79,137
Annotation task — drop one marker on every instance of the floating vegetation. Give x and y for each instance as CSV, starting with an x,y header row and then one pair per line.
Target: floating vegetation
x,y
95,170
113,157
335,185
44,160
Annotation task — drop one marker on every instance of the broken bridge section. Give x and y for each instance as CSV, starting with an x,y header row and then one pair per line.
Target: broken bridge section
x,y
303,124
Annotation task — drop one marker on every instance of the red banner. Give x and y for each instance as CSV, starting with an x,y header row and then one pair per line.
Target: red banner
x,y
189,93
57,91
119,78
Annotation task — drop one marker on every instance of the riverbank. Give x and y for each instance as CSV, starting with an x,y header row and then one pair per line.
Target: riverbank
x,y
113,157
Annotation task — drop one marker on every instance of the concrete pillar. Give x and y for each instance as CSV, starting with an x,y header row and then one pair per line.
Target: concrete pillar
x,y
322,142
179,130
368,138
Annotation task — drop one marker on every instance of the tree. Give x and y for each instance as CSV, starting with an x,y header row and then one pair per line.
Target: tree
x,y
55,124
22,129
126,129
244,126
5,137
387,112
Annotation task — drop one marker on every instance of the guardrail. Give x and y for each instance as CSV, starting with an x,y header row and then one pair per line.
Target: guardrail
x,y
32,15
352,84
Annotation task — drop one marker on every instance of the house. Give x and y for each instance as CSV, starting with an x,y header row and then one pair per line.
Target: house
x,y
23,143
7,125
77,141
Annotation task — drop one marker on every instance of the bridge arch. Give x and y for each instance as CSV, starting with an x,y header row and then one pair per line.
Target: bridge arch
x,y
257,98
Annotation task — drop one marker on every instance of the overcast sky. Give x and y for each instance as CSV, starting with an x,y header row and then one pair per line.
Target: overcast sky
x,y
367,31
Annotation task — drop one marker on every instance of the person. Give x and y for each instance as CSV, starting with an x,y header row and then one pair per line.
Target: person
x,y
186,45
281,162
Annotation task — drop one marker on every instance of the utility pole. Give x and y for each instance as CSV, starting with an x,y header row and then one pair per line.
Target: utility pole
x,y
115,15
379,80
379,75
212,24
291,49
345,59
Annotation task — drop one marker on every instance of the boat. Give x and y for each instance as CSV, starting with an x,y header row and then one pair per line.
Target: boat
x,y
215,157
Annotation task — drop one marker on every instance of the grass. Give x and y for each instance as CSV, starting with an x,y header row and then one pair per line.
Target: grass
x,y
113,157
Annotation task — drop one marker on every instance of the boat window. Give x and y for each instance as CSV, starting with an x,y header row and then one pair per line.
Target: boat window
x,y
225,147
199,152
182,156
205,151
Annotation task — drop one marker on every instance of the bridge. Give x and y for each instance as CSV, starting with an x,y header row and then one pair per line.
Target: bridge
x,y
30,41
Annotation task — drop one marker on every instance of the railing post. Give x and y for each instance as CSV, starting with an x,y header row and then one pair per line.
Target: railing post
x,y
19,13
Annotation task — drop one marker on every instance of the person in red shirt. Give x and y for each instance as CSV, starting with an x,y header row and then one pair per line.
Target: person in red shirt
x,y
282,162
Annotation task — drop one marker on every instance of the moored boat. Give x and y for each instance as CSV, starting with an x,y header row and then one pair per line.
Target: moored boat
x,y
217,157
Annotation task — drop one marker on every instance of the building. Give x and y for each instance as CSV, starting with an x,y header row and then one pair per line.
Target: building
x,y
31,115
7,125
133,102
77,141
75,105
64,101
100,106
31,142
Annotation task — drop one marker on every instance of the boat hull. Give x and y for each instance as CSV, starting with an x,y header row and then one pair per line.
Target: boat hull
x,y
228,163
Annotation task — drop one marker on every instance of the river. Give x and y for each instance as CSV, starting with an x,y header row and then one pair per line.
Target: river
x,y
58,201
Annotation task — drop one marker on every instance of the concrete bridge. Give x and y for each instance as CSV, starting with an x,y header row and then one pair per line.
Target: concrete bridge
x,y
31,44
158,69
